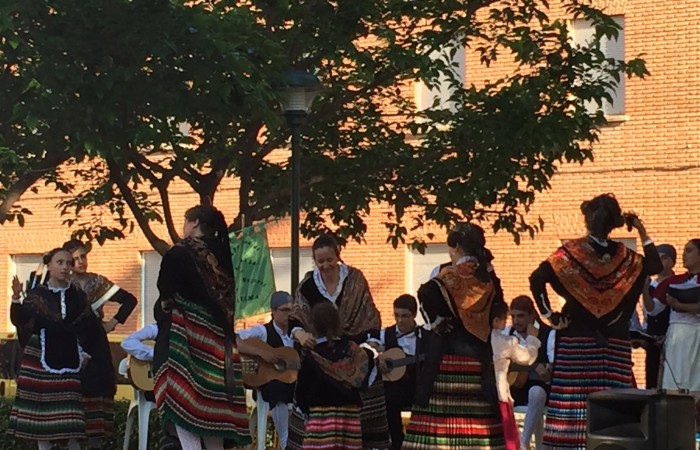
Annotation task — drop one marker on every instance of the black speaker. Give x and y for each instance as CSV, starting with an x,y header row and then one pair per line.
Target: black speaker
x,y
635,419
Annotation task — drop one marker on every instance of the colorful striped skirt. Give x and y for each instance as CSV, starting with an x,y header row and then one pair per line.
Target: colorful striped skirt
x,y
47,406
99,416
375,431
375,428
582,367
458,416
190,387
333,428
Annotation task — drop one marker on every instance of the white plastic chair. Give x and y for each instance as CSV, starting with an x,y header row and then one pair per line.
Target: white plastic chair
x,y
539,429
140,406
258,423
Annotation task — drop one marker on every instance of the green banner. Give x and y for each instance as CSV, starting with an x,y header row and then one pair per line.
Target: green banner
x,y
252,268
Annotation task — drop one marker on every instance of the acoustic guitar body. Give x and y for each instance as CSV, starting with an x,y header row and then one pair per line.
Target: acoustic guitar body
x,y
141,372
257,371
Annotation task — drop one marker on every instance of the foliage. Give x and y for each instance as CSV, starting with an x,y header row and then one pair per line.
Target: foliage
x,y
128,96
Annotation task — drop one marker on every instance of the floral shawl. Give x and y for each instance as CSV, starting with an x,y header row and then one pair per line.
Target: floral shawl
x,y
598,283
218,281
468,297
351,370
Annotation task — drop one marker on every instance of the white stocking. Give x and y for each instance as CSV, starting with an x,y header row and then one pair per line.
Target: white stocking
x,y
44,445
188,440
536,401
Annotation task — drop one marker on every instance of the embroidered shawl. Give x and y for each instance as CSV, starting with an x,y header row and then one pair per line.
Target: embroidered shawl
x,y
217,280
468,297
99,289
350,370
357,310
598,283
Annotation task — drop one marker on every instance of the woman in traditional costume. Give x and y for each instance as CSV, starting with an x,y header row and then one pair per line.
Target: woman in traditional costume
x,y
331,378
52,320
682,344
99,381
600,281
334,282
456,403
198,385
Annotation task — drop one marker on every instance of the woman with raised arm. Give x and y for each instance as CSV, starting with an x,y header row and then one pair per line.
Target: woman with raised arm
x,y
339,284
99,382
198,385
456,403
600,281
56,317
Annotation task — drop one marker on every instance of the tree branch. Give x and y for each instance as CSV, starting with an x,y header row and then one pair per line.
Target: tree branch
x,y
115,175
26,180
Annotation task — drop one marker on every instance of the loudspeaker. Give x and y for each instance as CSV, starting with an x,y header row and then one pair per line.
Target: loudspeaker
x,y
635,419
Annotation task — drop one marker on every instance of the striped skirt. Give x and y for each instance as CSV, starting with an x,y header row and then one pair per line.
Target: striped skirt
x,y
582,367
457,416
47,406
190,387
333,428
375,429
99,416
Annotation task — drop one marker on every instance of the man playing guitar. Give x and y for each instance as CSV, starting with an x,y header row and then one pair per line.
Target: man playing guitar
x,y
530,385
276,395
406,336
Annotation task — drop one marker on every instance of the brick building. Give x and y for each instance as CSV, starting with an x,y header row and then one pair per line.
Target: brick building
x,y
649,156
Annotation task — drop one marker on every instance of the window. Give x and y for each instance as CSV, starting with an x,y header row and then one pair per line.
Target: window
x,y
421,266
282,266
150,267
454,55
583,32
25,265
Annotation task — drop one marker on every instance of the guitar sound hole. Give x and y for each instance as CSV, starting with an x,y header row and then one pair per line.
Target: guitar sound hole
x,y
280,366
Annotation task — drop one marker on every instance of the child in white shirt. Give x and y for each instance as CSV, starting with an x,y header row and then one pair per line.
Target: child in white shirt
x,y
507,349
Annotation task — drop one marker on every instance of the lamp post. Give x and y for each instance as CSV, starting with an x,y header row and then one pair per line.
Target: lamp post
x,y
300,91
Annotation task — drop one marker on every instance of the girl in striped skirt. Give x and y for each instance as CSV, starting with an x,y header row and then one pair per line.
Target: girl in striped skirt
x,y
50,321
456,404
198,386
328,388
600,281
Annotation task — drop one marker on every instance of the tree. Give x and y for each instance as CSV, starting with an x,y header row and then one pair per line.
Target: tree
x,y
128,96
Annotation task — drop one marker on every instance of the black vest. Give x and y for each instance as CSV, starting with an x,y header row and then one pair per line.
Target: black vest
x,y
658,325
401,392
275,391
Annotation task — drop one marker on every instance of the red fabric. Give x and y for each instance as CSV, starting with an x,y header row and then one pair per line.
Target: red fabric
x,y
662,288
510,428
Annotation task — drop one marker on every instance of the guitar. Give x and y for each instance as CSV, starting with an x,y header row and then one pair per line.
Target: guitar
x,y
396,361
257,371
141,372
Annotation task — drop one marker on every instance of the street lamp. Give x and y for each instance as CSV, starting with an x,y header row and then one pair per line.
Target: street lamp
x,y
300,90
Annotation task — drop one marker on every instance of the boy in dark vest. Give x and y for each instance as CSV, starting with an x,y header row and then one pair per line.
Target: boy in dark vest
x,y
276,396
406,335
533,393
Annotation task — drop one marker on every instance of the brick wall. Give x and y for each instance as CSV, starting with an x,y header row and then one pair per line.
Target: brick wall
x,y
650,160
